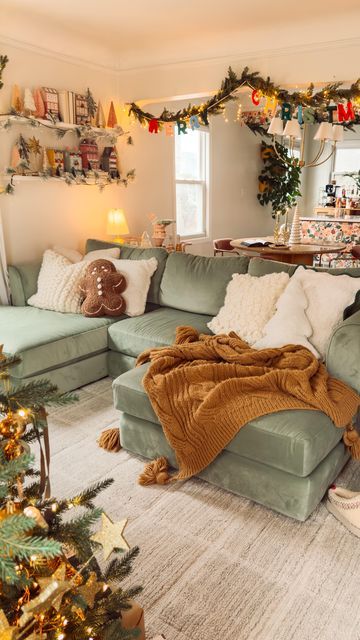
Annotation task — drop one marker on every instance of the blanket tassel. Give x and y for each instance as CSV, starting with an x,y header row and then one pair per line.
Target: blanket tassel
x,y
110,440
155,472
352,441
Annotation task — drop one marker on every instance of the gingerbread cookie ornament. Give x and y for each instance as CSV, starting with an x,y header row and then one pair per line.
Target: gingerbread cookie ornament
x,y
102,287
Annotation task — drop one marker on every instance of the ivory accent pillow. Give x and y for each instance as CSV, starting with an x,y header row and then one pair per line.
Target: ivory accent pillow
x,y
290,324
106,254
138,277
70,254
327,295
58,284
249,304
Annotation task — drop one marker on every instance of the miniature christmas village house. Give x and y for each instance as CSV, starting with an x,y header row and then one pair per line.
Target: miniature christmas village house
x,y
109,162
56,161
89,155
81,110
51,103
73,162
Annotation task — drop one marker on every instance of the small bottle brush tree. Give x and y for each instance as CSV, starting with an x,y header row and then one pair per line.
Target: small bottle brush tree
x,y
279,181
51,583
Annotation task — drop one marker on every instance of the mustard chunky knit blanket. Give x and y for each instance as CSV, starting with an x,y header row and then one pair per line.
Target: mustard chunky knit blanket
x,y
205,388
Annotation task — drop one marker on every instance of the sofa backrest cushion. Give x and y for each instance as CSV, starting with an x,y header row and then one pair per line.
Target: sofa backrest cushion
x,y
23,282
198,284
137,253
261,266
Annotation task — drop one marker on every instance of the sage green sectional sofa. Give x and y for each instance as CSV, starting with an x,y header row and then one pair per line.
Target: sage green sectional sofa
x,y
285,461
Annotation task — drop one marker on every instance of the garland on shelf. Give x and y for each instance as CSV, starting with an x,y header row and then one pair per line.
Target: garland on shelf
x,y
82,131
95,180
316,101
3,62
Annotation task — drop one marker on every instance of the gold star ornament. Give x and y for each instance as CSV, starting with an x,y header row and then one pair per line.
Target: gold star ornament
x,y
58,587
6,631
34,146
89,590
111,536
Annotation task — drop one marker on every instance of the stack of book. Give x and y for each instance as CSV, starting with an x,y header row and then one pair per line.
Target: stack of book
x,y
73,108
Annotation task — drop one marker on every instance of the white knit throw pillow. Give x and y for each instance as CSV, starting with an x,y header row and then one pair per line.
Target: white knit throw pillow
x,y
249,305
58,284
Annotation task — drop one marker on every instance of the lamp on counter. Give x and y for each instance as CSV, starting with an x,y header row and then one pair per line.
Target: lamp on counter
x,y
117,225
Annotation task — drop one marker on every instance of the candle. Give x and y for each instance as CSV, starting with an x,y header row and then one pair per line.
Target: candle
x,y
286,219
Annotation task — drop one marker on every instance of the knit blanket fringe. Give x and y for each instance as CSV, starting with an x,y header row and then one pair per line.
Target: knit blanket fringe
x,y
205,388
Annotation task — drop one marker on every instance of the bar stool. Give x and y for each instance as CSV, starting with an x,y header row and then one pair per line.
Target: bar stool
x,y
222,245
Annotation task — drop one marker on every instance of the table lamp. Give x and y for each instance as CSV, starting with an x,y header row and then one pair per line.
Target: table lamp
x,y
117,225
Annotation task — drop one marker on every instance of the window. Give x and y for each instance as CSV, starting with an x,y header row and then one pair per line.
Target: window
x,y
191,177
347,160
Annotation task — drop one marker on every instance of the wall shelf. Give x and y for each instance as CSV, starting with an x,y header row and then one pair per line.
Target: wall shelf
x,y
65,127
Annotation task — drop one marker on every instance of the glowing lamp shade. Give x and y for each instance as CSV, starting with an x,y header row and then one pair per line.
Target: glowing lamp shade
x,y
324,132
276,127
117,225
338,133
292,129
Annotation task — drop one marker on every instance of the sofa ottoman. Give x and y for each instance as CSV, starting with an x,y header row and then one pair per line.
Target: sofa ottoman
x,y
285,460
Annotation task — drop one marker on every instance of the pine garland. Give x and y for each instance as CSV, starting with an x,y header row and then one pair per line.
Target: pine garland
x,y
3,62
332,92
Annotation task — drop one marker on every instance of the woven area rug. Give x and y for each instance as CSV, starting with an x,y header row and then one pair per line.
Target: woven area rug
x,y
214,566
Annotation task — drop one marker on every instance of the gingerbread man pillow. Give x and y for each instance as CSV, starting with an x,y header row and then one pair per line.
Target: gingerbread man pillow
x,y
102,287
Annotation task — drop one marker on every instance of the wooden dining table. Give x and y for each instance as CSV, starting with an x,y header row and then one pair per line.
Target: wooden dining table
x,y
296,254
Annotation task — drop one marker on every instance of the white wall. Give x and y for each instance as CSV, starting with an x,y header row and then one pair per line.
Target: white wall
x,y
40,213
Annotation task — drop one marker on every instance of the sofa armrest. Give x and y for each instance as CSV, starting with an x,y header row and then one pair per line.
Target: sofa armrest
x,y
23,282
343,354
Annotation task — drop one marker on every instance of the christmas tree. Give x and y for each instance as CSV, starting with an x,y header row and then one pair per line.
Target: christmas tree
x,y
54,584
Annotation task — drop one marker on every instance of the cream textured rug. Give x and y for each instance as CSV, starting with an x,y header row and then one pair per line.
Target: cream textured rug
x,y
214,566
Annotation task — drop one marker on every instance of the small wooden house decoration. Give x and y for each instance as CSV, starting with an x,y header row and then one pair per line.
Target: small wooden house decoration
x,y
17,103
29,102
89,155
100,117
109,162
81,110
73,162
36,156
39,104
56,161
112,119
51,103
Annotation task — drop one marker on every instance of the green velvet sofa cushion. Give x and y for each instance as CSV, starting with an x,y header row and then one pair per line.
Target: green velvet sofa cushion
x,y
343,354
286,493
23,282
294,441
137,253
47,339
198,284
74,375
155,329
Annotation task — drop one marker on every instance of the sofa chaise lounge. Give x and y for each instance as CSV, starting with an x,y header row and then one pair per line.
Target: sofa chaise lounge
x,y
285,461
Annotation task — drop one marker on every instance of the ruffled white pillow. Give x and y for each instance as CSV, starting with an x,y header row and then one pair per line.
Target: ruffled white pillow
x,y
249,304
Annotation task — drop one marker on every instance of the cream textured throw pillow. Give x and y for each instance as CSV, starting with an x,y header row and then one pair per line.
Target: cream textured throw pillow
x,y
249,305
327,295
290,324
58,284
138,277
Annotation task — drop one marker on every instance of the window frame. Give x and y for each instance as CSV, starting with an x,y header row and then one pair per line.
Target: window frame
x,y
203,181
345,144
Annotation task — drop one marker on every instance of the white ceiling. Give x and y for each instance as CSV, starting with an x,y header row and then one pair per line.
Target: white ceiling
x,y
127,35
